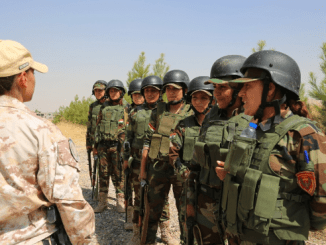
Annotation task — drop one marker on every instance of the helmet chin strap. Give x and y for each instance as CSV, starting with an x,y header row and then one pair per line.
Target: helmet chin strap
x,y
234,98
205,111
275,103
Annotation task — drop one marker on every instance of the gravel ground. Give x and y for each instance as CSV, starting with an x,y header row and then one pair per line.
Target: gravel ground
x,y
109,224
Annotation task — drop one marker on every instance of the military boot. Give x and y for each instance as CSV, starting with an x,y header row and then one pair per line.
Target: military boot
x,y
166,236
135,240
103,203
128,224
121,203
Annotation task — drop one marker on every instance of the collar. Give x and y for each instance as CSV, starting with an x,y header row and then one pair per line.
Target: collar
x,y
267,124
8,101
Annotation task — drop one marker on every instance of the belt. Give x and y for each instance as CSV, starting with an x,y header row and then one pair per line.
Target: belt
x,y
212,193
109,143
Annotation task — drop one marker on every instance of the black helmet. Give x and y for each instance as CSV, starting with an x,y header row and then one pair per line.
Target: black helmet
x,y
198,83
116,84
99,82
151,81
227,66
176,76
283,70
135,86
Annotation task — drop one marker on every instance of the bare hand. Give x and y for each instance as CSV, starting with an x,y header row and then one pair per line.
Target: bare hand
x,y
125,164
220,172
95,151
190,210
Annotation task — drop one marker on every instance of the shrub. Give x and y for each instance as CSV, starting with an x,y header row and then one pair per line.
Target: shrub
x,y
76,112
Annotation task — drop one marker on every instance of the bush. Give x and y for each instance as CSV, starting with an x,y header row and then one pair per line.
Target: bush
x,y
76,112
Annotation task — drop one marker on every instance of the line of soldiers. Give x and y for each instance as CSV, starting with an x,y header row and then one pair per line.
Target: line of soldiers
x,y
246,163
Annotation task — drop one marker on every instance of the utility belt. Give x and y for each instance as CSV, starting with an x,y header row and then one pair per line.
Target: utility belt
x,y
109,143
60,237
212,193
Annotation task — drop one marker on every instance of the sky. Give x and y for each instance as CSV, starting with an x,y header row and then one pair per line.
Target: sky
x,y
85,41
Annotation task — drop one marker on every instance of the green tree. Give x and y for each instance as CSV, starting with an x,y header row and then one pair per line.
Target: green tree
x,y
37,111
139,70
260,46
319,92
160,68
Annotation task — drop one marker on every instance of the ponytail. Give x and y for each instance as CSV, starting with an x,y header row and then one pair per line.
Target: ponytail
x,y
299,108
6,84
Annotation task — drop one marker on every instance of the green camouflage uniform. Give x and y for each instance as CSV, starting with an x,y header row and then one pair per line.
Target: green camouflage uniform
x,y
160,173
203,170
272,194
183,142
135,133
109,136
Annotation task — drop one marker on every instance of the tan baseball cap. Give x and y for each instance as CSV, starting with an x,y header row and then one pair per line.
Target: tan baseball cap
x,y
15,58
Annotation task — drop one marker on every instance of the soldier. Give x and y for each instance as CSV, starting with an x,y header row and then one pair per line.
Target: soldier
x,y
135,133
185,135
161,175
274,190
99,92
109,137
39,173
203,186
137,100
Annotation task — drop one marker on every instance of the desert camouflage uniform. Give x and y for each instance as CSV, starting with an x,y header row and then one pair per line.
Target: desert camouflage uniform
x,y
131,131
183,142
110,164
37,171
209,188
160,173
296,211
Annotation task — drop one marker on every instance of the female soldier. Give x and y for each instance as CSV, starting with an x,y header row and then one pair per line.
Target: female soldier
x,y
162,122
203,198
109,137
138,120
137,100
274,190
186,133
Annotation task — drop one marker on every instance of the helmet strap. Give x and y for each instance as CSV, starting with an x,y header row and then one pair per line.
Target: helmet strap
x,y
205,111
175,102
260,112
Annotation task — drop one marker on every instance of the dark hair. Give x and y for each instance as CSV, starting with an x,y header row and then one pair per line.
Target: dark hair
x,y
298,107
6,84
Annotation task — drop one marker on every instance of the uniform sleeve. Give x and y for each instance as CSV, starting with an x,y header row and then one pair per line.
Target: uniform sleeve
x,y
315,145
58,178
89,126
129,133
150,128
97,128
176,144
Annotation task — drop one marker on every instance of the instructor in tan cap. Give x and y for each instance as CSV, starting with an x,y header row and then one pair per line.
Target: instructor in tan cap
x,y
41,201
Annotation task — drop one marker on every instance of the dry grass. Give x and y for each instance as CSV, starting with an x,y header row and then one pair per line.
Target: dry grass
x,y
74,131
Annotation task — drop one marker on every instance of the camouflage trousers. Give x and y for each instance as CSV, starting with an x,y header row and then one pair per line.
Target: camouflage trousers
x,y
206,230
134,179
159,187
109,166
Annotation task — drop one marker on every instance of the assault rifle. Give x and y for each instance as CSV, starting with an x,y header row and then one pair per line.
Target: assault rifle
x,y
127,173
191,221
90,164
94,173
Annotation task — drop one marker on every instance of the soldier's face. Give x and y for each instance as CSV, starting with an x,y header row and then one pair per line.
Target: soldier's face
x,y
173,93
223,94
99,93
200,100
251,94
137,98
151,95
114,93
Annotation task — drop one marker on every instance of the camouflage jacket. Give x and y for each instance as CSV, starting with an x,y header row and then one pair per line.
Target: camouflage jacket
x,y
90,136
37,171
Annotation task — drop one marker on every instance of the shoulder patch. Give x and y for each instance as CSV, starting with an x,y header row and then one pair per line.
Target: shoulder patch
x,y
307,181
151,127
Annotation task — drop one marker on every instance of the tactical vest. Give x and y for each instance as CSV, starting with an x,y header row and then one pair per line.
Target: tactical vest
x,y
190,137
208,148
255,198
160,143
108,128
96,106
142,117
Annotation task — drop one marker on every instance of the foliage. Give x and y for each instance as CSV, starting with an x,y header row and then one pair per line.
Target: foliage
x,y
76,112
140,70
260,46
37,111
319,92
